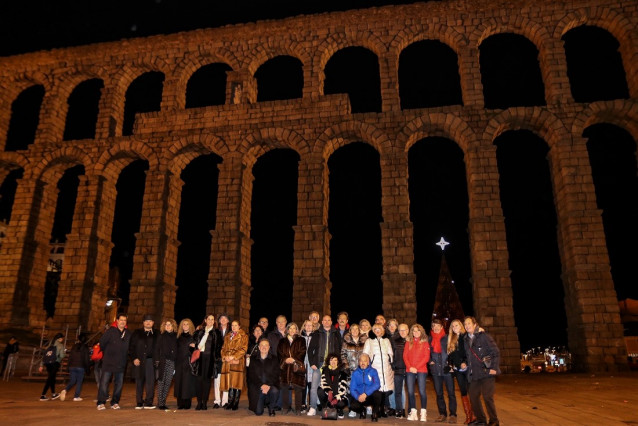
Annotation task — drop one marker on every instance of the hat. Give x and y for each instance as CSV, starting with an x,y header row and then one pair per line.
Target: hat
x,y
148,317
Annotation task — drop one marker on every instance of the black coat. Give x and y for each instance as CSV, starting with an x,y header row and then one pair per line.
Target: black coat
x,y
165,348
274,337
476,350
142,348
214,343
261,372
458,355
114,345
321,338
398,344
184,379
79,357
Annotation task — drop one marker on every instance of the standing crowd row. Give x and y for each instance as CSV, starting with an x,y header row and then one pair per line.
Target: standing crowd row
x,y
324,368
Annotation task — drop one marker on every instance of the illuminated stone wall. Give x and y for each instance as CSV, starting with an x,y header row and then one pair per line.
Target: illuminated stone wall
x,y
314,126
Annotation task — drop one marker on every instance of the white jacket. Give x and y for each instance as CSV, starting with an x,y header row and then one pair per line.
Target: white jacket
x,y
380,353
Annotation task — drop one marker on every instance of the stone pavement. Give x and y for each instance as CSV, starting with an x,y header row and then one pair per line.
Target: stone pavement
x,y
532,399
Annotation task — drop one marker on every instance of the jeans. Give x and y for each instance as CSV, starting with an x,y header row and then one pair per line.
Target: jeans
x,y
316,380
399,397
411,378
145,382
268,399
77,378
103,390
461,378
448,380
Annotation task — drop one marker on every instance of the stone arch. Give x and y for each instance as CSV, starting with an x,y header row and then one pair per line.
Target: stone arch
x,y
263,53
534,31
617,24
12,160
341,40
419,32
261,141
343,133
538,120
185,69
11,89
623,114
182,152
113,160
438,124
54,163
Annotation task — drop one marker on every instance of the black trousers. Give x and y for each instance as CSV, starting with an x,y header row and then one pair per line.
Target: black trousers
x,y
323,399
52,372
375,400
145,381
484,387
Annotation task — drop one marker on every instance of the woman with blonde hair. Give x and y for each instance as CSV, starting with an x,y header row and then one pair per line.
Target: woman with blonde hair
x,y
233,364
365,327
184,389
416,355
165,352
379,349
457,359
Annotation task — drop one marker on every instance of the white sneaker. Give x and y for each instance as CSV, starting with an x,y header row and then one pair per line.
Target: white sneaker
x,y
63,395
101,407
369,411
77,399
424,415
413,416
312,411
149,407
115,407
352,414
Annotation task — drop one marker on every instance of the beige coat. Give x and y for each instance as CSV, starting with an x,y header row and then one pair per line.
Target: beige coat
x,y
232,375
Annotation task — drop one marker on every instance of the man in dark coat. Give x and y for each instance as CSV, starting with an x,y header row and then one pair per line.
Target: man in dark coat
x,y
398,366
142,350
114,343
263,380
483,359
327,340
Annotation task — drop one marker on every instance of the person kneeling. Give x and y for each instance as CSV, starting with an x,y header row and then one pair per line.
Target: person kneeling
x,y
364,389
263,380
334,385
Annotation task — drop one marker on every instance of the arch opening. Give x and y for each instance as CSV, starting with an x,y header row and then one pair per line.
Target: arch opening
x,y
143,95
81,117
280,78
25,117
207,86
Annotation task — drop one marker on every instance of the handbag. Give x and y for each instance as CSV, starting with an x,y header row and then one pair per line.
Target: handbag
x,y
195,356
329,413
299,368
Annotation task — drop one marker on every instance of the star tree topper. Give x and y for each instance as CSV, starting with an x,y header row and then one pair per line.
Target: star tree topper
x,y
442,244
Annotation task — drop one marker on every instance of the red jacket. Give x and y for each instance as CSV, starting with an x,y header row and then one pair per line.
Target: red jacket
x,y
416,356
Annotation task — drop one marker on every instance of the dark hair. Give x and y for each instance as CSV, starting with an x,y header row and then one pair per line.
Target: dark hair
x,y
122,314
257,326
437,321
343,313
330,356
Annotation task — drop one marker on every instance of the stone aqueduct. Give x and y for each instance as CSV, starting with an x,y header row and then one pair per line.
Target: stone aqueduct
x,y
314,125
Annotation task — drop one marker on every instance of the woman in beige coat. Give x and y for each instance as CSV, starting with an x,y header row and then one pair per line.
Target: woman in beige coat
x,y
233,364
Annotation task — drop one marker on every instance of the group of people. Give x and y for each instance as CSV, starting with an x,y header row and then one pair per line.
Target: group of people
x,y
318,368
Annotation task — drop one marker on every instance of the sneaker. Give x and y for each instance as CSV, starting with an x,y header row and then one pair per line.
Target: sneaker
x,y
368,410
139,406
340,414
77,399
115,407
44,398
441,419
352,414
312,411
101,407
55,396
424,415
63,395
149,407
451,419
413,416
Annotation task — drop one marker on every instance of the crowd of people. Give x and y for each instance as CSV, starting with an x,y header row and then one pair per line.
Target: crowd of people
x,y
316,369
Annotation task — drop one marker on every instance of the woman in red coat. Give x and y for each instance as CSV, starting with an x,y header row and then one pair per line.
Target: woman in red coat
x,y
416,356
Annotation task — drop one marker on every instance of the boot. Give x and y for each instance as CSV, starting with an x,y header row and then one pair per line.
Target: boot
x,y
231,399
469,415
236,399
413,416
199,405
187,404
424,415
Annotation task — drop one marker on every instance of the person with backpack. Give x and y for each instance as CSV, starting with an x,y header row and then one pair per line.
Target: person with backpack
x,y
78,365
52,360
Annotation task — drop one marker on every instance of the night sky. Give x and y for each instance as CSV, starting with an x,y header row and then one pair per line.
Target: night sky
x,y
437,182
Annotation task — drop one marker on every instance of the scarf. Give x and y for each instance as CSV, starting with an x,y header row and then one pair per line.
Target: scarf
x,y
436,341
202,343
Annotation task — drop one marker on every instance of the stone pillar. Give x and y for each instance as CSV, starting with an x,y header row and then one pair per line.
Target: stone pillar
x,y
470,76
229,276
241,88
311,289
595,332
24,253
389,76
151,292
82,291
554,66
491,286
52,115
399,280
111,111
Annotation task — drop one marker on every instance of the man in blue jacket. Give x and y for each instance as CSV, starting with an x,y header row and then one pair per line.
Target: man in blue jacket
x,y
364,389
483,359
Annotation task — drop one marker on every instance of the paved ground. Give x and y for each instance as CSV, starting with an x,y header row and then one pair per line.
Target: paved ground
x,y
534,399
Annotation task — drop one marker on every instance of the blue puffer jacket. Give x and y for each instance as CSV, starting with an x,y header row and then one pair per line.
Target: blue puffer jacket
x,y
364,381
